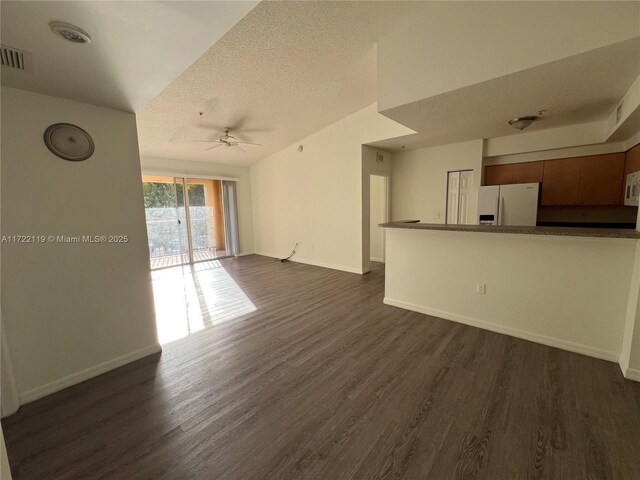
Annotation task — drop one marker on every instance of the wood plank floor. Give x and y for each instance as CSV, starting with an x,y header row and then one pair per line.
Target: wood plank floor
x,y
323,381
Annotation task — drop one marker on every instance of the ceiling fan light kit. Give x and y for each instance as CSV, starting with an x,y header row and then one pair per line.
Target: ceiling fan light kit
x,y
226,140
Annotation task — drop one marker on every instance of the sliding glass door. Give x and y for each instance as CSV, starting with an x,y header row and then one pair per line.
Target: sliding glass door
x,y
187,219
206,219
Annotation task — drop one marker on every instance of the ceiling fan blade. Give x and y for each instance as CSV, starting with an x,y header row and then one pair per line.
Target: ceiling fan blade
x,y
249,143
213,146
238,146
205,141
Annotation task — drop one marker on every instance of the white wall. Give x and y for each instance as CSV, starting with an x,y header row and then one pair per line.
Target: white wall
x,y
72,311
630,103
5,471
419,180
9,401
630,356
581,151
476,35
170,166
315,197
549,139
377,215
568,292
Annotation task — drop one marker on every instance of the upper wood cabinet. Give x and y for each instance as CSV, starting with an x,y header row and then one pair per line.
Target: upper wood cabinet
x,y
560,182
632,162
498,174
601,179
593,180
529,172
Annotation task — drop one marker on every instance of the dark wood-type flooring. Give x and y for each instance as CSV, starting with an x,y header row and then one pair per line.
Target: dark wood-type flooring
x,y
323,381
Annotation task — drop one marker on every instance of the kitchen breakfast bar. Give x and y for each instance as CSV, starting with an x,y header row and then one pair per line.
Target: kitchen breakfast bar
x,y
572,288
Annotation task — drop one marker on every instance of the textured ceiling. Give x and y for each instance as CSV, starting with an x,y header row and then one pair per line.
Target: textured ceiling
x,y
577,89
285,71
137,47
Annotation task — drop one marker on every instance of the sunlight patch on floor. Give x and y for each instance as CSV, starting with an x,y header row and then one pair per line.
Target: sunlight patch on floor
x,y
189,299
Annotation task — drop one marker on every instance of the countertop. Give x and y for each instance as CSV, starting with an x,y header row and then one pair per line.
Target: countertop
x,y
559,231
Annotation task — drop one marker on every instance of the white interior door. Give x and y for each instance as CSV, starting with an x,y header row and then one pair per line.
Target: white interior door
x,y
464,197
453,195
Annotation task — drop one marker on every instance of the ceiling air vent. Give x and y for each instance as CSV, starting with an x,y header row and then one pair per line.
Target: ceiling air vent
x,y
14,58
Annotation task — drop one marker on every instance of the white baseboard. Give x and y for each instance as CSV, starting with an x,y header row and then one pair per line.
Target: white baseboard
x,y
86,374
244,254
379,260
632,374
512,331
315,264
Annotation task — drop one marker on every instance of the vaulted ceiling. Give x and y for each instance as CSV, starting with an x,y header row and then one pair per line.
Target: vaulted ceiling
x,y
285,71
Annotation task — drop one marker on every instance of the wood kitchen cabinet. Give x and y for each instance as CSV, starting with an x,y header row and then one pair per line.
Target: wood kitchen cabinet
x,y
560,182
529,172
632,162
593,180
498,174
601,179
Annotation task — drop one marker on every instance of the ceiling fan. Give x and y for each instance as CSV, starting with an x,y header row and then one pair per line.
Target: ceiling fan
x,y
226,140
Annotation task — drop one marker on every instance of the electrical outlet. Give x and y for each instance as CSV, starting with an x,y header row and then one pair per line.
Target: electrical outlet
x,y
481,288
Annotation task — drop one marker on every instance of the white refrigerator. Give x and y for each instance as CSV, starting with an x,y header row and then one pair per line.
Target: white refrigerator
x,y
508,204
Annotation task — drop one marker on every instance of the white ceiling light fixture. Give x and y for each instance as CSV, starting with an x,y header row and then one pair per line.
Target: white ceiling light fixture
x,y
522,122
70,32
227,141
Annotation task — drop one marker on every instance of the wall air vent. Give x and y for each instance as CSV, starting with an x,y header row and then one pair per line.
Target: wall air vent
x,y
14,58
379,157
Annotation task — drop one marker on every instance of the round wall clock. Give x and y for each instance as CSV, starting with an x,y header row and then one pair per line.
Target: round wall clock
x,y
69,142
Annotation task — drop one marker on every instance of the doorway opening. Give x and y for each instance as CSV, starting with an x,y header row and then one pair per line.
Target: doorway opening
x,y
189,220
378,213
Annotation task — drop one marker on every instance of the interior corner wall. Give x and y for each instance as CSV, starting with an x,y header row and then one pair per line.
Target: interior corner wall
x,y
419,180
171,166
72,310
314,197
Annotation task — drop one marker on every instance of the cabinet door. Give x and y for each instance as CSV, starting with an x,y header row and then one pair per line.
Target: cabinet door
x,y
498,174
529,172
632,163
561,181
601,179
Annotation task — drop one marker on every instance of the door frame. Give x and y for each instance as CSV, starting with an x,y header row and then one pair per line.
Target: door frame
x,y
387,211
185,194
446,205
